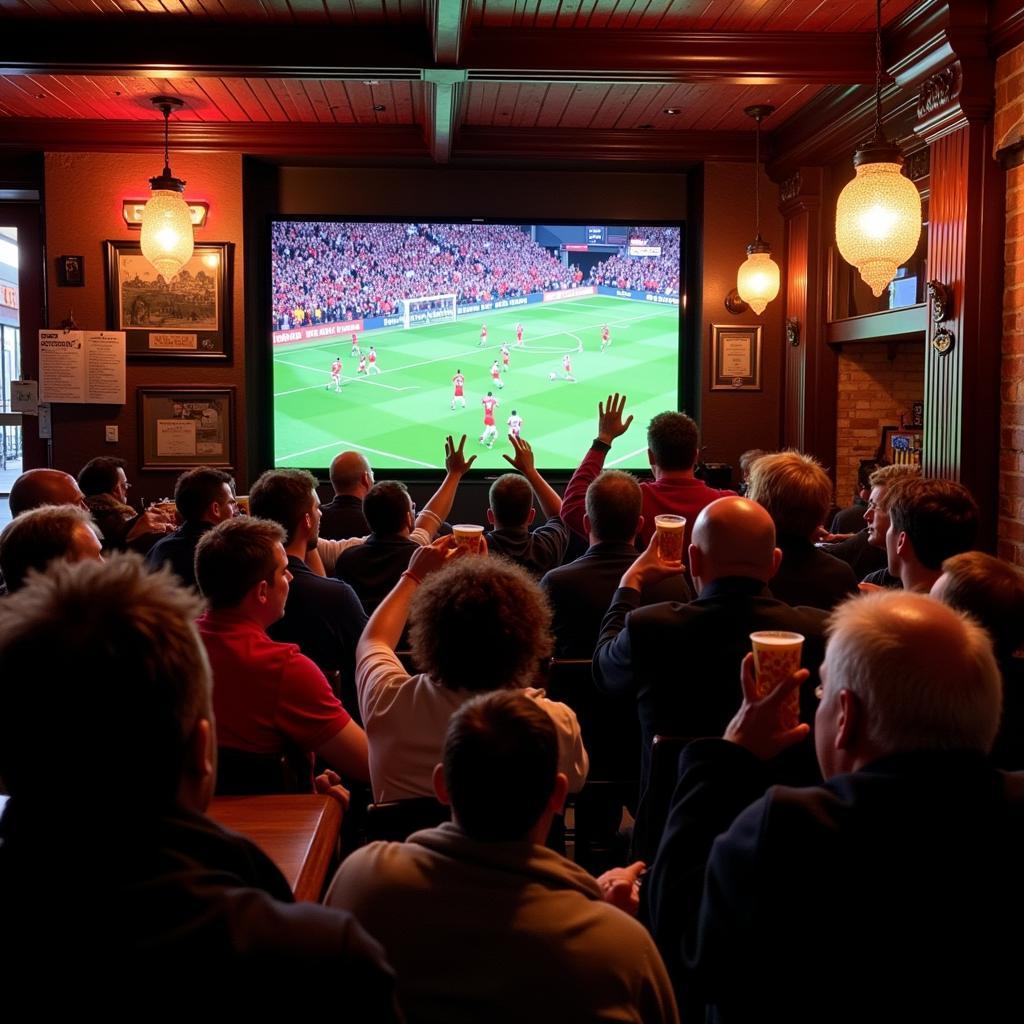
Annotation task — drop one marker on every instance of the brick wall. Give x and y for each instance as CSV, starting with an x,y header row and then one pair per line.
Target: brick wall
x,y
1008,117
877,382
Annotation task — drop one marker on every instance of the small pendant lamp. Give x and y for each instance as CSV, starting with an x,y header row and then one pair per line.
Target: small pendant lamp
x,y
757,280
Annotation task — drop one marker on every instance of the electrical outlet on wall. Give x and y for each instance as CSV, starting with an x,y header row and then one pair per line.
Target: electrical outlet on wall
x,y
112,434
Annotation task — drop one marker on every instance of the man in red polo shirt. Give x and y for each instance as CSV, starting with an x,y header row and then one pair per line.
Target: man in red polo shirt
x,y
265,694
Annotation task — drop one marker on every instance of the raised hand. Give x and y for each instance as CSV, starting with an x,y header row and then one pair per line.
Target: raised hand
x,y
455,462
523,460
609,418
756,726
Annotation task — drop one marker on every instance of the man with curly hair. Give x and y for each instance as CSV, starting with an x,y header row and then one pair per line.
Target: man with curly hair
x,y
476,625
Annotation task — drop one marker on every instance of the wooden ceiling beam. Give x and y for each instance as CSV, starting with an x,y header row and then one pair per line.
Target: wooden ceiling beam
x,y
447,29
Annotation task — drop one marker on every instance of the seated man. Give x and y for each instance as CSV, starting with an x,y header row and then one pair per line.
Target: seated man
x,y
797,494
41,535
373,568
37,487
581,591
991,591
897,883
511,513
672,449
322,615
266,695
480,624
877,519
105,485
481,921
929,521
101,663
204,497
351,478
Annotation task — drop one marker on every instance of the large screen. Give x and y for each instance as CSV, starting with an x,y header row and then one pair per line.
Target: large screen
x,y
388,336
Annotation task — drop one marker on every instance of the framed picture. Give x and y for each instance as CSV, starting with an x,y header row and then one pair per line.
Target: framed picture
x,y
188,317
735,358
184,427
70,271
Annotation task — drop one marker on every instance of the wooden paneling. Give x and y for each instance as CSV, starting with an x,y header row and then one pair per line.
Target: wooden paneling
x,y
325,12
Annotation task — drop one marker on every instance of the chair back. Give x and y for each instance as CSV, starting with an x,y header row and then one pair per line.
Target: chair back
x,y
243,773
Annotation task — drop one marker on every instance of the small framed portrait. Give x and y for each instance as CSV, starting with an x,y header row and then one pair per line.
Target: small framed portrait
x,y
70,271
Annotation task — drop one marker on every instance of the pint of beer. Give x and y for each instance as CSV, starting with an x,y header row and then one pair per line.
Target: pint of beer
x,y
776,658
670,531
468,536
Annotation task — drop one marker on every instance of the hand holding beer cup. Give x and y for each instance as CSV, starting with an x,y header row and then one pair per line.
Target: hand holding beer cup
x,y
669,532
469,537
765,724
650,567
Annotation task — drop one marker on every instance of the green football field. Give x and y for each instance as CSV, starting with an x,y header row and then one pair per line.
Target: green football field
x,y
400,417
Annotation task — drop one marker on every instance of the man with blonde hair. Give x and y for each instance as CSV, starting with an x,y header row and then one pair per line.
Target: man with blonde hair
x,y
877,519
797,494
897,880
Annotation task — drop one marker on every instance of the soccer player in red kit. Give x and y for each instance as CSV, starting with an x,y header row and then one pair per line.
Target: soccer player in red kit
x,y
490,403
496,375
483,334
567,368
355,344
335,375
606,337
519,334
362,365
504,358
459,383
373,361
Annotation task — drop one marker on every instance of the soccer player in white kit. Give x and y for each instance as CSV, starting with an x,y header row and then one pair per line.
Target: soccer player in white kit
x,y
606,337
515,424
490,403
373,361
496,375
459,383
362,365
483,334
567,368
335,375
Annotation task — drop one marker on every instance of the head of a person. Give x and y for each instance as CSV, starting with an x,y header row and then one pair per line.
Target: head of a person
x,y
37,487
104,475
877,513
864,471
902,673
351,474
929,521
241,564
733,537
613,506
288,497
672,441
388,508
500,767
988,589
510,501
42,535
480,624
205,495
119,679
795,491
747,460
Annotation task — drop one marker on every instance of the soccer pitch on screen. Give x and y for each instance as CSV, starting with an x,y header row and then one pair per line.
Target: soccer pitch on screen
x,y
399,417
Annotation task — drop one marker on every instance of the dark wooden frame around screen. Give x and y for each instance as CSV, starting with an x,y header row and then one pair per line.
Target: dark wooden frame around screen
x,y
160,404
210,341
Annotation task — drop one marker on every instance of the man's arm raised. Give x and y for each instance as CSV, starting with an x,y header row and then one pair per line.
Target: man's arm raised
x,y
436,510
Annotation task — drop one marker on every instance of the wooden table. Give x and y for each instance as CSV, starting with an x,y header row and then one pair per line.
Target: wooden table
x,y
299,833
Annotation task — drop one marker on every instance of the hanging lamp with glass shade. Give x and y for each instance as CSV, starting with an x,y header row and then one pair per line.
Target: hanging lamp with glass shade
x,y
757,280
167,239
878,216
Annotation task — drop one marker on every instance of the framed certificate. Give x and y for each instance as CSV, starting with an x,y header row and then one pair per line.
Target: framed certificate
x,y
735,358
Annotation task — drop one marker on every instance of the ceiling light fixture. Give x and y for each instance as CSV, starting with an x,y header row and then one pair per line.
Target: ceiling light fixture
x,y
167,240
757,280
878,216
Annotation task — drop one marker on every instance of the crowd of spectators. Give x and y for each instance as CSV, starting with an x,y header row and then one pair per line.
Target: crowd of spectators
x,y
657,274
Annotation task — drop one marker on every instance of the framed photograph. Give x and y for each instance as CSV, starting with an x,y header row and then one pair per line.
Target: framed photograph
x,y
735,358
70,271
184,427
188,317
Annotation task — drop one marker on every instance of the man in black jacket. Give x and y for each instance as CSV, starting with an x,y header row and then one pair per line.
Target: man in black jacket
x,y
351,478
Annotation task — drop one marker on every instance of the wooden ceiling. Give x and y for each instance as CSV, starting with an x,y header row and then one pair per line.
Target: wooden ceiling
x,y
547,82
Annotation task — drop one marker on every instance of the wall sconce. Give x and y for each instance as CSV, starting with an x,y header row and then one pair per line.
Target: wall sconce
x,y
167,239
734,303
942,301
757,280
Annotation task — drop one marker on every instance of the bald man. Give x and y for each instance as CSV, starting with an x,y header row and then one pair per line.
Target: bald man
x,y
893,891
342,517
681,661
37,487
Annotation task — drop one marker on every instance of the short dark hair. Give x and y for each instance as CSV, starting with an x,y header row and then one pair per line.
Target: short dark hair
x,y
613,504
234,556
990,590
386,506
99,475
500,760
36,538
480,624
510,498
102,662
197,489
672,439
283,496
939,517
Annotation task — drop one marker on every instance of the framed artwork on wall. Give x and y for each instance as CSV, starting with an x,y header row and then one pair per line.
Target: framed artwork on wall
x,y
180,428
188,317
735,358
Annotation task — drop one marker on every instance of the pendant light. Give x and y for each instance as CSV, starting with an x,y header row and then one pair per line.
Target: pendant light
x,y
878,216
757,280
167,240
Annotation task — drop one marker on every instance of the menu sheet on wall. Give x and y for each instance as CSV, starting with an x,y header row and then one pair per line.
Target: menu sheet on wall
x,y
82,366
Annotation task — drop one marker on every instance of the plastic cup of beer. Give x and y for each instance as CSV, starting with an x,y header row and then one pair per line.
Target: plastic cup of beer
x,y
670,531
468,536
776,658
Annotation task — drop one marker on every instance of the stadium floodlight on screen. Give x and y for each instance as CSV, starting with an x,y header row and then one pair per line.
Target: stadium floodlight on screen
x,y
390,335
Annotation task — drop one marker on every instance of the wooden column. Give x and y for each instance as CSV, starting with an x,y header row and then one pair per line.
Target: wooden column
x,y
965,252
809,374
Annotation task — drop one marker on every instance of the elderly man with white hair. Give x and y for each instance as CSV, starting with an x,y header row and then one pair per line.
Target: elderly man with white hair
x,y
894,890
